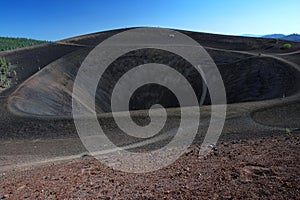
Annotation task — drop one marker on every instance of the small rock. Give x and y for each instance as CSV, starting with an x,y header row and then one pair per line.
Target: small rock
x,y
227,197
247,173
22,187
213,147
4,196
186,169
234,141
179,173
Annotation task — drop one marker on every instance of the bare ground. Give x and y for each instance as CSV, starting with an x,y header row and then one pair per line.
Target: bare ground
x,y
267,168
258,158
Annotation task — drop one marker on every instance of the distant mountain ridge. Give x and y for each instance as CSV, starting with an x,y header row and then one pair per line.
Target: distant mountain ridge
x,y
275,36
293,37
251,35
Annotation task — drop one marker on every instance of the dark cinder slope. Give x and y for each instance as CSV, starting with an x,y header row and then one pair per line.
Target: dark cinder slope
x,y
247,75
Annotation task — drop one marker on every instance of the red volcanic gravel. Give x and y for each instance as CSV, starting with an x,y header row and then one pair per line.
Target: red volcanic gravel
x,y
267,168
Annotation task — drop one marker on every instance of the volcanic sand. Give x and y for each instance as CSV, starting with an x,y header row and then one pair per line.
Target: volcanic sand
x,y
261,81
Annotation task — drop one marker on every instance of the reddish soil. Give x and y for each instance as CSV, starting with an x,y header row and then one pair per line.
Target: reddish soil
x,y
267,168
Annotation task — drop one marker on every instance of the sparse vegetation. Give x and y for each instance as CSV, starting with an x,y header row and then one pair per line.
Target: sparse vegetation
x,y
86,154
7,43
286,46
5,74
288,131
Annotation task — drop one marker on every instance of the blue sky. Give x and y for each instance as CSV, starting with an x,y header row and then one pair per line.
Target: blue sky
x,y
59,19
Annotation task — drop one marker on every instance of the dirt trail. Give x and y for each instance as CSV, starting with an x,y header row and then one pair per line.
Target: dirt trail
x,y
239,124
275,56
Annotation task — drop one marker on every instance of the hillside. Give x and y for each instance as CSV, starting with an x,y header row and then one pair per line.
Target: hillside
x,y
8,43
253,69
48,92
43,156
